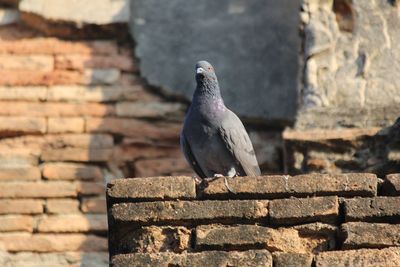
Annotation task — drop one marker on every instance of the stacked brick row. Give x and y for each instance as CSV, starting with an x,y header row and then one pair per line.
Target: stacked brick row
x,y
305,220
73,115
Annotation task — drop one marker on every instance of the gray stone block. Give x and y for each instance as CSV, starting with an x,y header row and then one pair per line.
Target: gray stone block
x,y
253,46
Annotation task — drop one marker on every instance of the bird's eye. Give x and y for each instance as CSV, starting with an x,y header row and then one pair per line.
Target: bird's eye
x,y
209,68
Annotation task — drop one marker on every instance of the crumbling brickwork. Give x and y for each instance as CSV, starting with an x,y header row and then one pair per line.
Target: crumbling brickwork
x,y
307,220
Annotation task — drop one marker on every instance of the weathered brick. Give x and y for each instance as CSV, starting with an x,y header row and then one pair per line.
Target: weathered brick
x,y
90,188
253,236
93,141
94,205
301,210
370,235
100,76
362,257
21,206
261,258
26,77
80,62
17,158
27,62
62,206
135,150
372,209
59,259
71,171
57,46
152,188
37,189
354,184
31,93
153,239
189,211
26,125
15,242
161,166
65,125
283,259
78,93
12,223
150,109
76,154
72,223
391,185
135,128
53,109
20,173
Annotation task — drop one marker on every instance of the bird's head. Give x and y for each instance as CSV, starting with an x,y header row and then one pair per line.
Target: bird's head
x,y
205,72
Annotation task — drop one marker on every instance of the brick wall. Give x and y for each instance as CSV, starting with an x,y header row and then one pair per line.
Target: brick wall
x,y
307,220
73,115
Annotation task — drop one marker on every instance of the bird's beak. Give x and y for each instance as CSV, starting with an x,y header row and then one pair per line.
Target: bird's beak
x,y
199,70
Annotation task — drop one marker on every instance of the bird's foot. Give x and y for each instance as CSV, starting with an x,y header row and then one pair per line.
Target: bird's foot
x,y
227,185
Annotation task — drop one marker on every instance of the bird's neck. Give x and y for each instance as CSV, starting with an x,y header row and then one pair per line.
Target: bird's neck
x,y
208,88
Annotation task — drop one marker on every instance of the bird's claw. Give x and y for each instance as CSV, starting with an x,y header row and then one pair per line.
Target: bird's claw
x,y
197,180
227,186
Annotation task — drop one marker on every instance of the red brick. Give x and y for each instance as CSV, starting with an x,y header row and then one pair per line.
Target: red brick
x,y
26,125
261,258
37,189
135,128
372,209
152,188
92,141
361,257
189,211
12,223
27,62
24,78
21,206
131,152
71,171
20,173
62,206
63,223
302,210
31,93
161,166
80,62
76,154
94,205
56,46
15,242
90,188
36,109
18,158
65,125
103,93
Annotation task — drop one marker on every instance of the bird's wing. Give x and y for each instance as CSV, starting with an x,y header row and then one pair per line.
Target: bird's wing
x,y
187,151
238,143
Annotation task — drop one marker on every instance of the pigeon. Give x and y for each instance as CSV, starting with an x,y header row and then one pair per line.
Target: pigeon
x,y
213,139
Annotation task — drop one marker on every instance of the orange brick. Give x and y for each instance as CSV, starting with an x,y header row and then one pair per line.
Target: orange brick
x,y
80,62
93,141
22,173
15,242
12,223
21,206
37,189
65,125
63,206
94,205
26,125
90,188
76,154
37,109
27,62
32,93
56,46
23,78
81,223
71,171
135,128
18,158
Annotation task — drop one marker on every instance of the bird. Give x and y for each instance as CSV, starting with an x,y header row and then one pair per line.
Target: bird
x,y
213,139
